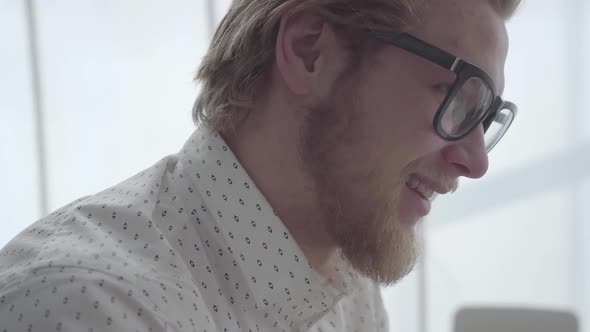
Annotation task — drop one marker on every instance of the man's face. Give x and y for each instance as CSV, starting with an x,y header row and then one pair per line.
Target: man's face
x,y
372,142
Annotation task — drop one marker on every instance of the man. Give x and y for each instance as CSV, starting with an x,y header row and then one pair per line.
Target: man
x,y
326,128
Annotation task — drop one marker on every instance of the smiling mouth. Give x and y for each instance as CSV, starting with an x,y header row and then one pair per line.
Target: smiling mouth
x,y
421,188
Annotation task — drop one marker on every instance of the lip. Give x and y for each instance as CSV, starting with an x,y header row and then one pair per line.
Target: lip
x,y
435,186
414,206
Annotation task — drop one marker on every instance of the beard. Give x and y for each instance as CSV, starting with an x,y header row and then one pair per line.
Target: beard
x,y
357,191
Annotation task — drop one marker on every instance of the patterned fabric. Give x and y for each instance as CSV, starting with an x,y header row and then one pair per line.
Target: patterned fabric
x,y
189,244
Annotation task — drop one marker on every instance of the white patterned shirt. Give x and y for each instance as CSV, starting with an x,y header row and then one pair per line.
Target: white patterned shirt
x,y
189,244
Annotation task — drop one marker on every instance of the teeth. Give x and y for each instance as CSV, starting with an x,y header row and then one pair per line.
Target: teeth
x,y
413,183
420,187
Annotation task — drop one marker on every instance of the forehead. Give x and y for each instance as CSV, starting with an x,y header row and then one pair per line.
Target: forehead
x,y
469,29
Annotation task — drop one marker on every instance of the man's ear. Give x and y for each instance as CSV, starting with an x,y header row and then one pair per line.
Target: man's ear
x,y
305,42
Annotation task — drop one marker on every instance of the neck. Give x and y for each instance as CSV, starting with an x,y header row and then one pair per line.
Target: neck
x,y
267,146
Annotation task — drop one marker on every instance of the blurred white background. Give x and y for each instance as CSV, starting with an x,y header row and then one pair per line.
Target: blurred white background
x,y
115,94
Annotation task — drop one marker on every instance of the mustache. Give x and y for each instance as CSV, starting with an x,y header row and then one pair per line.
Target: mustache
x,y
435,175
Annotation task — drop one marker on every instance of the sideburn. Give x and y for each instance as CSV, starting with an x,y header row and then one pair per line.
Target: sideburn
x,y
356,206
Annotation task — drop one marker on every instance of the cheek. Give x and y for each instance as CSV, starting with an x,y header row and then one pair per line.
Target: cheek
x,y
397,121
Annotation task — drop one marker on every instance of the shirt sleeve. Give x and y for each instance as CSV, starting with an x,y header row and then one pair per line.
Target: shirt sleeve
x,y
80,300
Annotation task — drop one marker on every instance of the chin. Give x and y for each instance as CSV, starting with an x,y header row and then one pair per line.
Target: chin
x,y
410,223
382,249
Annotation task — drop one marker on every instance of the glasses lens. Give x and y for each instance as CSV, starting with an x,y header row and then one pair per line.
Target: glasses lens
x,y
496,127
467,107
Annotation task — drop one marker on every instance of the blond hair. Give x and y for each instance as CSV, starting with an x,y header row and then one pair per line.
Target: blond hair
x,y
241,53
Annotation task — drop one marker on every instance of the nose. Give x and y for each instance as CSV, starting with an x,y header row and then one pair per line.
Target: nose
x,y
468,155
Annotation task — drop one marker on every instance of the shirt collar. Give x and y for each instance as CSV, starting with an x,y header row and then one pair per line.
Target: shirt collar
x,y
285,284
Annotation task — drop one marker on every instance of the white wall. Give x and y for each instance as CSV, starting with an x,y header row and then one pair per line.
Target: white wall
x,y
116,78
516,237
18,159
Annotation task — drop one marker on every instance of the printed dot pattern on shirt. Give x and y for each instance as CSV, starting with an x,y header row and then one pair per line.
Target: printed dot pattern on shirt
x,y
189,244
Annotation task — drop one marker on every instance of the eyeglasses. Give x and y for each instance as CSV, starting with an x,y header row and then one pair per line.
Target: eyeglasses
x,y
471,100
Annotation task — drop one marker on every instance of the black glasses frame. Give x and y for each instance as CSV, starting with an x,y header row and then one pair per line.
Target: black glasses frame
x,y
463,71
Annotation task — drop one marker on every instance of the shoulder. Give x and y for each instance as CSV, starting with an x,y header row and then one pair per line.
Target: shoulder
x,y
103,260
71,298
96,231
